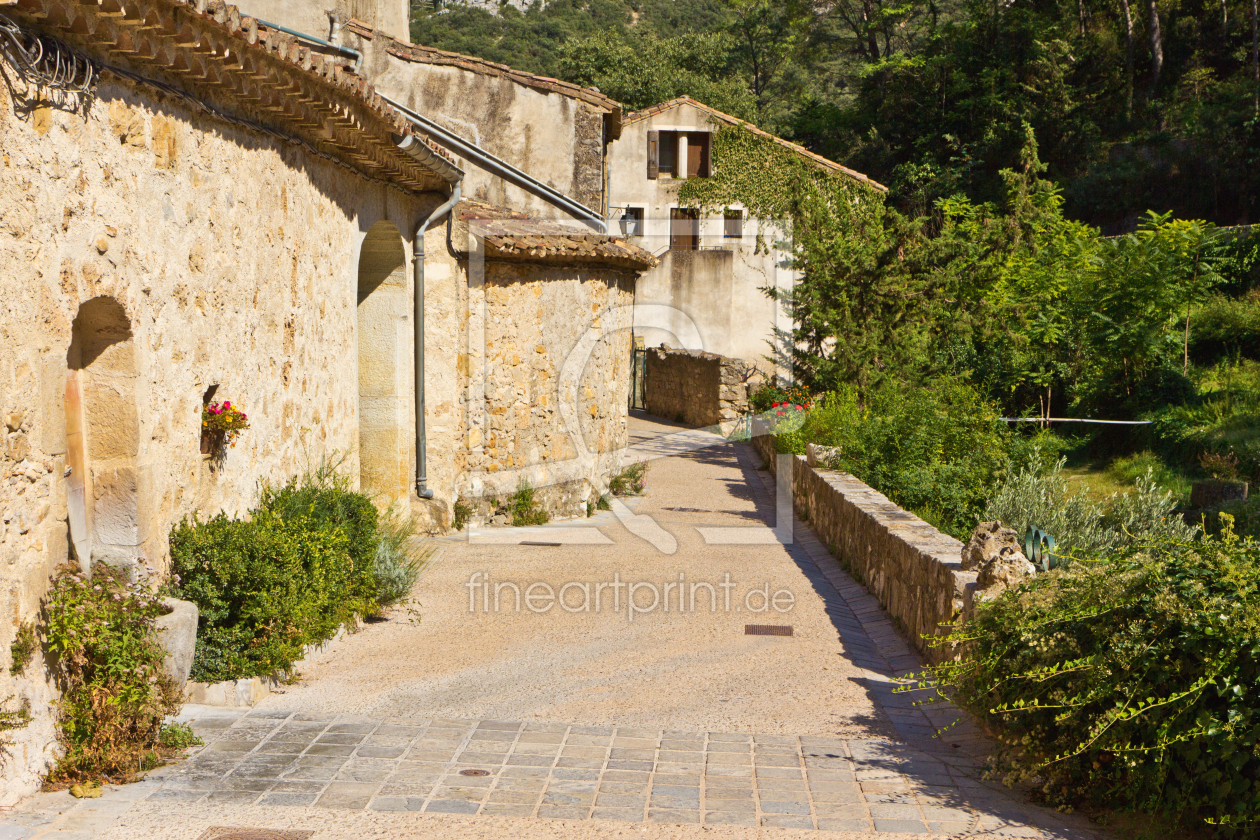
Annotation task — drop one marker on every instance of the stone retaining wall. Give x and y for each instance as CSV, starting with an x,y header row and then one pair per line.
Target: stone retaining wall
x,y
694,387
912,568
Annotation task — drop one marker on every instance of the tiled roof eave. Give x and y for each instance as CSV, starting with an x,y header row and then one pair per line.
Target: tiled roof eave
x,y
211,52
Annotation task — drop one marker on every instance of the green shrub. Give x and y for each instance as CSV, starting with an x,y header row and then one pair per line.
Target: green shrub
x,y
399,559
1225,328
767,396
629,482
301,566
461,512
114,693
23,647
1130,682
934,450
1243,516
266,588
1032,496
524,508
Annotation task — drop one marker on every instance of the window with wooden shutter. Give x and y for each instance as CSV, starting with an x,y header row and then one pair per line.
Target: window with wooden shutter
x,y
654,154
698,154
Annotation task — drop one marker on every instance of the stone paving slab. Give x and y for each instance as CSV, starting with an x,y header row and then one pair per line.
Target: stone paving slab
x,y
551,770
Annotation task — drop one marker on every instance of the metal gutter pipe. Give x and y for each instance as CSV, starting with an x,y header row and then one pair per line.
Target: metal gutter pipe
x,y
417,253
355,54
500,168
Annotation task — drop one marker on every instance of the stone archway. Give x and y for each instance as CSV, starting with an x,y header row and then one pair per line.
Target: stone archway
x,y
384,335
102,435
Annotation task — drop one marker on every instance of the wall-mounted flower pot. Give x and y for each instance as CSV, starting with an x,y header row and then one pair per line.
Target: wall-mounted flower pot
x,y
211,441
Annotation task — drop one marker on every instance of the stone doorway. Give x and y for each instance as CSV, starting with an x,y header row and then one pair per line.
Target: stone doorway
x,y
102,436
384,334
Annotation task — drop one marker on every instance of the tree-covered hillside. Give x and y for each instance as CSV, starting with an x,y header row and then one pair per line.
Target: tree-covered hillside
x,y
1136,106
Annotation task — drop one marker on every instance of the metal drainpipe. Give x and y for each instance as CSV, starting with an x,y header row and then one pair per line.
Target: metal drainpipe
x,y
417,248
355,54
500,168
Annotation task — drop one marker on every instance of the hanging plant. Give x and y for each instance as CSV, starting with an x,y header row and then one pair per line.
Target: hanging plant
x,y
220,425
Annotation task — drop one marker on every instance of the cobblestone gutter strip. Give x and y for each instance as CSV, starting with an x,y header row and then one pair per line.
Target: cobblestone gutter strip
x,y
910,567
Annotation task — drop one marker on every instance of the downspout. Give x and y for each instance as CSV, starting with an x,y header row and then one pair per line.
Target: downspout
x,y
500,168
417,248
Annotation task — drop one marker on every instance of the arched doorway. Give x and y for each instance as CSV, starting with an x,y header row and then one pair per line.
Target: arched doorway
x,y
383,337
103,435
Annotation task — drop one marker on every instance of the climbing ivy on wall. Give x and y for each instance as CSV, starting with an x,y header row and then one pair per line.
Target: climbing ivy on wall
x,y
856,287
774,182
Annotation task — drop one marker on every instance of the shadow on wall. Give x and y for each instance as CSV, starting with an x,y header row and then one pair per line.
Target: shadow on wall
x,y
102,436
384,334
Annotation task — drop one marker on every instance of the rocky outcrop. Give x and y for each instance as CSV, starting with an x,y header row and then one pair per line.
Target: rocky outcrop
x,y
993,552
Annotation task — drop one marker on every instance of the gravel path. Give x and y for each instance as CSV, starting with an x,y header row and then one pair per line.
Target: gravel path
x,y
664,719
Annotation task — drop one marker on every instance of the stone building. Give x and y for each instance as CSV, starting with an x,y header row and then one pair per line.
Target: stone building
x,y
208,208
706,293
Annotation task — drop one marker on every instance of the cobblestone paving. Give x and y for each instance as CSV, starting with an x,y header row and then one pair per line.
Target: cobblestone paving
x,y
581,772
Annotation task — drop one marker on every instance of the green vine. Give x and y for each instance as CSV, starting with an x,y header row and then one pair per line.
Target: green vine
x,y
775,182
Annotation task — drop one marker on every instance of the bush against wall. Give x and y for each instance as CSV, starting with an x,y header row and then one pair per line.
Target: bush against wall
x,y
102,634
290,575
1129,682
934,449
1033,496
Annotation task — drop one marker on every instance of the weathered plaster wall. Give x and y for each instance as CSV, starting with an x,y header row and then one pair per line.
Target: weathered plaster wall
x,y
696,388
313,18
557,140
710,299
234,262
546,381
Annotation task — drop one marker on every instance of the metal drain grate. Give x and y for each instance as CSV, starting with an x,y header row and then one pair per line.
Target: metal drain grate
x,y
474,772
767,629
549,545
221,833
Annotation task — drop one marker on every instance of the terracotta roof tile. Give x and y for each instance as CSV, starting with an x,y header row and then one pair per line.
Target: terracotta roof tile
x,y
509,235
209,50
646,113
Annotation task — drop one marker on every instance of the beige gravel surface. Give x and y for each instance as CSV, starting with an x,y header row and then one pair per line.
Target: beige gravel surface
x,y
668,670
624,722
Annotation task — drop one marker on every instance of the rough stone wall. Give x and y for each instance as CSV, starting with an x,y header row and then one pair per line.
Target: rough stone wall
x,y
546,382
231,260
588,157
694,387
913,569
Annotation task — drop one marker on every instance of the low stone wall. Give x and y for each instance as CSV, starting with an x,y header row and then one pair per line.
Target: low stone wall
x,y
913,569
694,387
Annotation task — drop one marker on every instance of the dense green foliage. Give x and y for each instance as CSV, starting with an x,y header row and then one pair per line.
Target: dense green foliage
x,y
934,450
1035,495
114,692
290,575
932,98
1130,681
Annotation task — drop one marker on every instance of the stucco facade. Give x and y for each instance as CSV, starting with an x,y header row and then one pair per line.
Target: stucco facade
x,y
708,291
